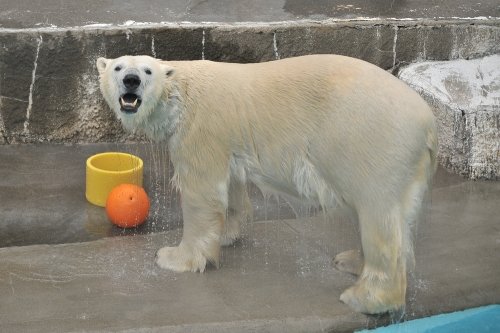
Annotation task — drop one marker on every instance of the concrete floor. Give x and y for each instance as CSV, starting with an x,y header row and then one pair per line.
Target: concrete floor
x,y
51,13
278,278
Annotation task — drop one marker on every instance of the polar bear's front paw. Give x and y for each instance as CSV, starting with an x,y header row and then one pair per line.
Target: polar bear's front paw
x,y
180,259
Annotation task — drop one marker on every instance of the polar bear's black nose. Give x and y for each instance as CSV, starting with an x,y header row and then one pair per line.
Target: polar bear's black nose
x,y
131,81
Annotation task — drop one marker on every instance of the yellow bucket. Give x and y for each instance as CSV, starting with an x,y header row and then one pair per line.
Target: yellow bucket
x,y
105,171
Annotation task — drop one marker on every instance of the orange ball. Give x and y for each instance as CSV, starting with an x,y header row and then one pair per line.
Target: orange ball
x,y
127,205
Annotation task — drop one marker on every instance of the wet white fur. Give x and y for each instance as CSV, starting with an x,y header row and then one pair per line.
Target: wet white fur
x,y
324,129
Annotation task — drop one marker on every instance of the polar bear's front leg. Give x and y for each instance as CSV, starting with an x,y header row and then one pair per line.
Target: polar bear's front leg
x,y
203,214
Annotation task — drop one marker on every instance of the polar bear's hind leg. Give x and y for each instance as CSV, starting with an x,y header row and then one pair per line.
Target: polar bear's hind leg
x,y
387,246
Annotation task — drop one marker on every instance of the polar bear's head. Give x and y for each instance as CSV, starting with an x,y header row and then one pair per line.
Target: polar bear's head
x,y
133,86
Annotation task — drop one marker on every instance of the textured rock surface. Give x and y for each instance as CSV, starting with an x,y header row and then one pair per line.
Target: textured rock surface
x,y
465,95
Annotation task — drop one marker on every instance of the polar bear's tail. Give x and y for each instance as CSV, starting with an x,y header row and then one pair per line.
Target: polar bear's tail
x,y
432,145
417,194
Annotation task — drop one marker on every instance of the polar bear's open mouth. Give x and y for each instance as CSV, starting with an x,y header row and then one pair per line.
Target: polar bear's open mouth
x,y
130,103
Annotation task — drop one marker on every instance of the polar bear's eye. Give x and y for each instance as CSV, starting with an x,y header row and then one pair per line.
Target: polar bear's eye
x,y
118,68
148,71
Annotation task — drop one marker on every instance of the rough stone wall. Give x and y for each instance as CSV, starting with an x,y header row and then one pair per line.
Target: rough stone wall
x,y
49,84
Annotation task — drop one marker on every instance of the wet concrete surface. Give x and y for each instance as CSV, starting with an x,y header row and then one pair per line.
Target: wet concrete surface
x,y
49,13
277,278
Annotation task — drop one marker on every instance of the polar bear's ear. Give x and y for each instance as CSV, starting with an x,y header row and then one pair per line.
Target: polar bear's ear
x,y
168,70
101,64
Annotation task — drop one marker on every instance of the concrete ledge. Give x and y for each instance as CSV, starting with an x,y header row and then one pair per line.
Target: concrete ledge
x,y
48,81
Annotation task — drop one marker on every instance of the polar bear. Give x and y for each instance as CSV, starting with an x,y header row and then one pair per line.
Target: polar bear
x,y
322,129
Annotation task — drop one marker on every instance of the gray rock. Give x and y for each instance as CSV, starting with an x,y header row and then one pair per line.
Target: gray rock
x,y
465,96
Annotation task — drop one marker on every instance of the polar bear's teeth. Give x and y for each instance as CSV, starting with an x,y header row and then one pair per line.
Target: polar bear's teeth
x,y
125,103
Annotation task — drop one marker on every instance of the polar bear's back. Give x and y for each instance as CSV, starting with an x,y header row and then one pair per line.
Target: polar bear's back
x,y
304,83
366,121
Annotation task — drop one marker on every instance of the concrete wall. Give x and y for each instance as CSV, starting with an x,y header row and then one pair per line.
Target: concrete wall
x,y
49,84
